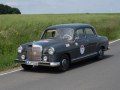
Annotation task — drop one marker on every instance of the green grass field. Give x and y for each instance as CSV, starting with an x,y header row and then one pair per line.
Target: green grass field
x,y
18,29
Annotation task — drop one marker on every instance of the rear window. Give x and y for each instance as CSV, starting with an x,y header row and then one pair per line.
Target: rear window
x,y
89,32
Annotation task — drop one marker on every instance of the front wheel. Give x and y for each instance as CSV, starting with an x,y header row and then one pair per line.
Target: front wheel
x,y
100,54
64,63
26,67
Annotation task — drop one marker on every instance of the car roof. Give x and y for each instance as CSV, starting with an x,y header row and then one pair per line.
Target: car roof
x,y
74,26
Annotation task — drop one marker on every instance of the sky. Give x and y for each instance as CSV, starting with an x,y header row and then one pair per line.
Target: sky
x,y
64,6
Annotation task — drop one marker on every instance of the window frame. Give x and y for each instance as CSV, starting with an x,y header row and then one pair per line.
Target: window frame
x,y
76,31
94,33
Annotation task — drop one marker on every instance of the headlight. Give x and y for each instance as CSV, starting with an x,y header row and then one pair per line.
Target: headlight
x,y
51,50
20,49
45,58
23,57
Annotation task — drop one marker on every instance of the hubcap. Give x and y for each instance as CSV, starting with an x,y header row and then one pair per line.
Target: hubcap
x,y
64,62
100,52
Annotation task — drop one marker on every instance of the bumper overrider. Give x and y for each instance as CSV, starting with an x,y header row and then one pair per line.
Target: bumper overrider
x,y
38,63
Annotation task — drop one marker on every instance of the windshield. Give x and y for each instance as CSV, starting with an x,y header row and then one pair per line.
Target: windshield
x,y
62,33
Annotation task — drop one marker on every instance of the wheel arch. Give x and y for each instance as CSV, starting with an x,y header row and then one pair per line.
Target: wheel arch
x,y
68,54
102,47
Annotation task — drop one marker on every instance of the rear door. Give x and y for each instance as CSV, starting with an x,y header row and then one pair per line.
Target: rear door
x,y
91,37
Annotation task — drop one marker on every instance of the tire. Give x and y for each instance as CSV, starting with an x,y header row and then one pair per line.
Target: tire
x,y
100,54
26,67
64,63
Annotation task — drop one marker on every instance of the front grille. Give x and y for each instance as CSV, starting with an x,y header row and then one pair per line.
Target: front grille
x,y
34,53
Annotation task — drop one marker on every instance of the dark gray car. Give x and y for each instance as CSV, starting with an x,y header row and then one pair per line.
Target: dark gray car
x,y
61,45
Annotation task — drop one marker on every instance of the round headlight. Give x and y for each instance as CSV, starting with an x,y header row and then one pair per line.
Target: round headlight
x,y
45,58
20,49
23,57
51,51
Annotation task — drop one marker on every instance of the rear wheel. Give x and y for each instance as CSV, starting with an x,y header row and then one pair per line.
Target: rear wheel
x,y
26,67
64,63
100,54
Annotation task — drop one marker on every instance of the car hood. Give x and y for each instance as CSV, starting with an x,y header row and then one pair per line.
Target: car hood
x,y
46,42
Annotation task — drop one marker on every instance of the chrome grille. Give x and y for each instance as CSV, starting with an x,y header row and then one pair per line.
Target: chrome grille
x,y
34,53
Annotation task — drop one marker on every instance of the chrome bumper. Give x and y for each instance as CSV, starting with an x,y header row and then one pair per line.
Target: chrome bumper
x,y
40,63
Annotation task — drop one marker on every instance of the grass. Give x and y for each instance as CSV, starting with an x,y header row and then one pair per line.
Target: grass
x,y
19,29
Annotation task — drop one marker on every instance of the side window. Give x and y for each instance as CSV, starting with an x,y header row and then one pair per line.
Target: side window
x,y
89,32
79,34
50,34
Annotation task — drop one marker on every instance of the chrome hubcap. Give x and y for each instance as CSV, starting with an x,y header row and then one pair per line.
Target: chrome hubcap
x,y
64,61
100,52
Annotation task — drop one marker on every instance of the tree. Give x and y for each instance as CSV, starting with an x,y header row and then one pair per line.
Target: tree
x,y
5,9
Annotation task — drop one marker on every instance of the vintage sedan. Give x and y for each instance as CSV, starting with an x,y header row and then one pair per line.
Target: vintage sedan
x,y
61,45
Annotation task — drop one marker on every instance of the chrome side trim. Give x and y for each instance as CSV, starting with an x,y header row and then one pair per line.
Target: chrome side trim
x,y
85,56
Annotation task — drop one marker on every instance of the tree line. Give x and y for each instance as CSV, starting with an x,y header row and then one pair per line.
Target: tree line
x,y
5,9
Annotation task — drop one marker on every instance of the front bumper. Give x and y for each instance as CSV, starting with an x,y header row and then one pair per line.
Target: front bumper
x,y
40,63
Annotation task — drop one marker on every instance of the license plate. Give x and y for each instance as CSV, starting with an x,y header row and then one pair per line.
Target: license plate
x,y
32,63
